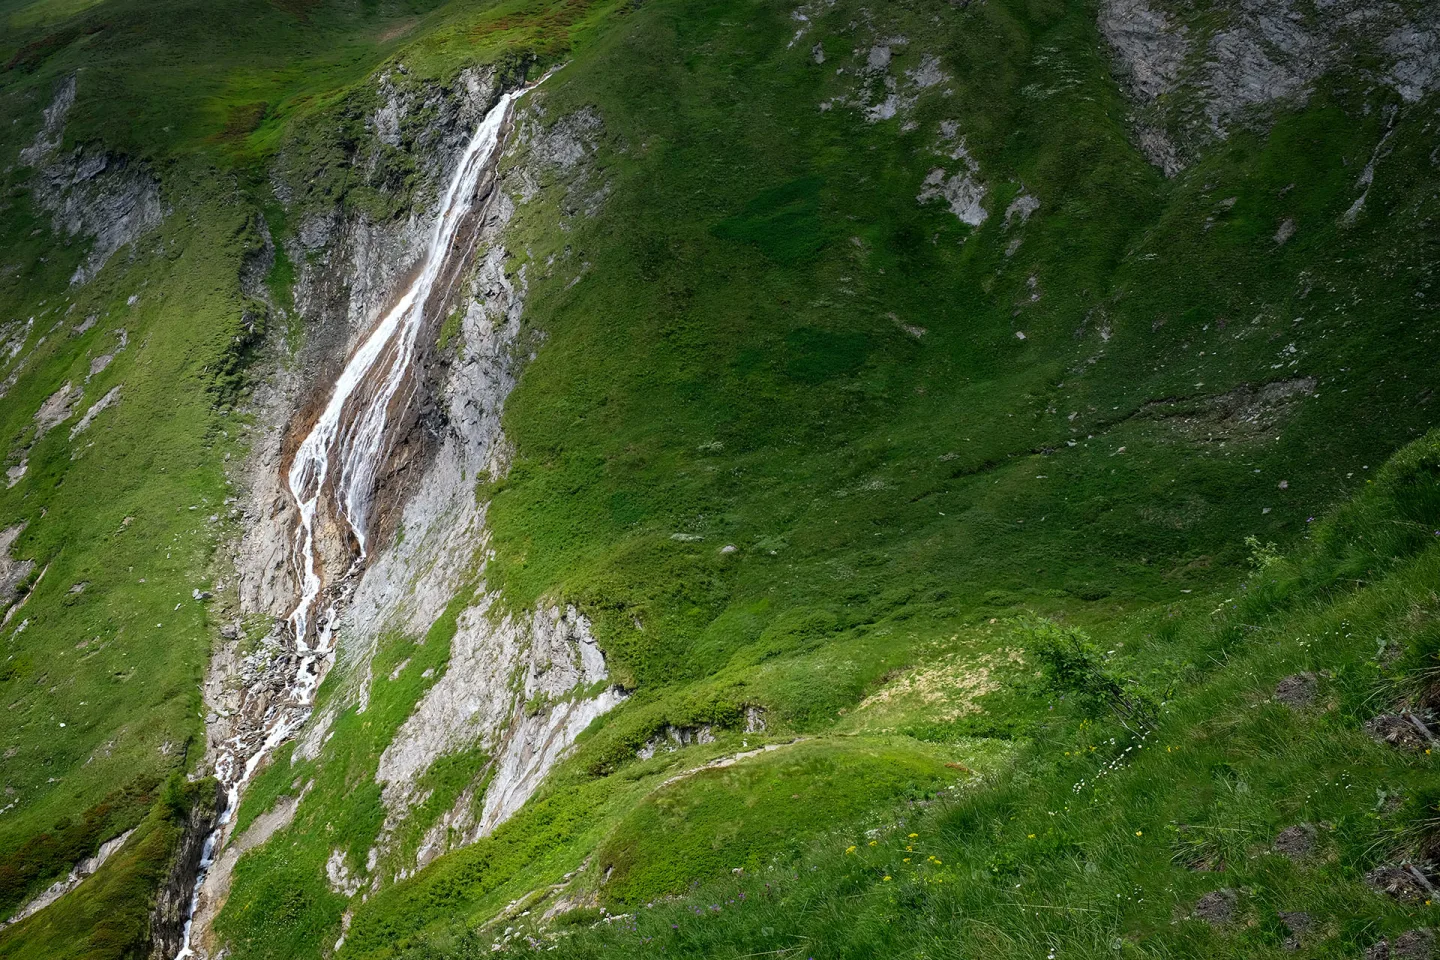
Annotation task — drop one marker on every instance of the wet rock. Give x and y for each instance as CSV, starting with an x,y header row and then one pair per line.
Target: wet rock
x,y
216,887
1216,908
1297,690
1297,842
408,581
171,908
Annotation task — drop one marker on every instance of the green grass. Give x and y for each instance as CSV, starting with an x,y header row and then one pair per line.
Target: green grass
x,y
732,368
1097,841
102,684
111,920
737,363
742,817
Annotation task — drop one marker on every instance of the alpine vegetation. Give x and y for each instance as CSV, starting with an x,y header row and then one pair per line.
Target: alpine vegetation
x,y
719,479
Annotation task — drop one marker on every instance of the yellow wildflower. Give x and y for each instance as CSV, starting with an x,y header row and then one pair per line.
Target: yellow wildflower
x,y
1139,833
850,849
887,878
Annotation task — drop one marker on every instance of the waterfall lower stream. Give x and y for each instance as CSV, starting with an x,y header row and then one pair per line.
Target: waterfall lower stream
x,y
338,460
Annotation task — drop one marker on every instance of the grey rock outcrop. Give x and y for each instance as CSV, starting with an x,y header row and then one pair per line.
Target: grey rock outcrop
x,y
525,730
103,196
1150,49
89,192
1194,75
50,136
13,573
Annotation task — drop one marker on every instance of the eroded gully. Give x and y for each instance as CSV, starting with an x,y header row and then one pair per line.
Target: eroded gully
x,y
334,469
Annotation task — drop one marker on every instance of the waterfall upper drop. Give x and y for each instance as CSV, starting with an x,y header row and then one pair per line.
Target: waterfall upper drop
x,y
338,459
350,432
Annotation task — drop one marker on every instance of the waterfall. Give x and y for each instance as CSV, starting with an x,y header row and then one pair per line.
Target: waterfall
x,y
338,458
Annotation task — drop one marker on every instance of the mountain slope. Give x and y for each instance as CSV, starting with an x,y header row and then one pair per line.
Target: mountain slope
x,y
798,349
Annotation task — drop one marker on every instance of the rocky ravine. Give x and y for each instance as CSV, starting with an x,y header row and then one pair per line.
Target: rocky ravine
x,y
448,439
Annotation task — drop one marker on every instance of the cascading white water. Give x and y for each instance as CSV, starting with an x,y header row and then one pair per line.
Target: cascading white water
x,y
340,456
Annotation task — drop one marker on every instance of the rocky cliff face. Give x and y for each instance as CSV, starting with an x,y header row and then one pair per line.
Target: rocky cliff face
x,y
523,727
1194,74
172,901
93,195
429,541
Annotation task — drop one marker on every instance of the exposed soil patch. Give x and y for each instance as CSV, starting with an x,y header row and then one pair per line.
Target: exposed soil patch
x,y
944,690
1297,842
1410,945
1216,908
1298,925
397,31
1407,731
1404,882
1298,690
1247,413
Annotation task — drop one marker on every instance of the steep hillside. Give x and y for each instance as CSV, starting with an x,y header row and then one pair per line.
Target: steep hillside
x,y
806,427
